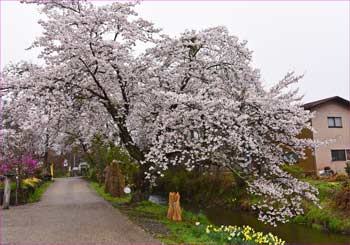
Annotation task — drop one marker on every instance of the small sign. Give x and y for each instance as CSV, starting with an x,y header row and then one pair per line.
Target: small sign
x,y
127,190
65,163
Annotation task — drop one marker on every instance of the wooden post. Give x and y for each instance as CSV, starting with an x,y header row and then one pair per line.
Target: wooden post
x,y
7,193
174,210
17,186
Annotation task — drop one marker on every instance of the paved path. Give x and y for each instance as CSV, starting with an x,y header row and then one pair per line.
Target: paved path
x,y
69,213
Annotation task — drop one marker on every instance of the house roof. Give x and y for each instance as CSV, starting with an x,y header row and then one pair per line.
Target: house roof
x,y
336,99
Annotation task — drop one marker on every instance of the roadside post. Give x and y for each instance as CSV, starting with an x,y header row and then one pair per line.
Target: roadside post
x,y
17,186
51,171
7,191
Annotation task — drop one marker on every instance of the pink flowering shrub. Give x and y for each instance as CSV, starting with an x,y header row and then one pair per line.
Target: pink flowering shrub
x,y
26,165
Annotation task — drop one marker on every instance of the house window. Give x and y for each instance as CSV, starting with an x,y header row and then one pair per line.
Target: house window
x,y
334,122
348,154
338,155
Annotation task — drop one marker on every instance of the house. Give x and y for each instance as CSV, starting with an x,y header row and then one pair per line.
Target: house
x,y
331,122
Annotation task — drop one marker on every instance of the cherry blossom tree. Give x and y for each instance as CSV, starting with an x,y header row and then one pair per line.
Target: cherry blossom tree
x,y
190,100
38,118
19,145
89,57
30,125
215,111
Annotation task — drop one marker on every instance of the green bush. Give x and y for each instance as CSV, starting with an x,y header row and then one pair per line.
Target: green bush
x,y
30,190
326,189
300,219
334,224
12,184
342,197
341,177
102,154
346,184
330,217
92,175
347,168
295,170
200,188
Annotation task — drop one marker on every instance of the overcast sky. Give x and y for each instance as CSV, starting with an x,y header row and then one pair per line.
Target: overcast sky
x,y
311,38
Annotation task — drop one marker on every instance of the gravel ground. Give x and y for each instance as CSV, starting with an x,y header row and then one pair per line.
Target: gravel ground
x,y
70,213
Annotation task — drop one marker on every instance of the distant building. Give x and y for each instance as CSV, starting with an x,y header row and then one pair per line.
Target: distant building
x,y
331,121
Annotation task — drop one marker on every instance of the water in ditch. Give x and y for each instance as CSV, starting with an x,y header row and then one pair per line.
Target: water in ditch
x,y
291,233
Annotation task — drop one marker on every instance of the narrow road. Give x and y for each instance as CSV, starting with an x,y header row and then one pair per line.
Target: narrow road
x,y
70,212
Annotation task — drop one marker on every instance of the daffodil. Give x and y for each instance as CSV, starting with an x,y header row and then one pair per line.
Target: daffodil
x,y
245,233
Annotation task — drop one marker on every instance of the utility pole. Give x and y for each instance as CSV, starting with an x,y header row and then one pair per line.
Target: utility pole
x,y
73,170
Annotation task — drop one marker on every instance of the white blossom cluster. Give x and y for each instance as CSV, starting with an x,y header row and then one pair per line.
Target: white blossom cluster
x,y
192,100
215,111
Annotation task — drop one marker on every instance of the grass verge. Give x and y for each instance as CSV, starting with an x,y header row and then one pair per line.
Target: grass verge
x,y
328,218
152,218
39,191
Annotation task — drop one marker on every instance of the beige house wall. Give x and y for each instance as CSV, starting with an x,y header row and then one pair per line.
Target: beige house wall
x,y
341,136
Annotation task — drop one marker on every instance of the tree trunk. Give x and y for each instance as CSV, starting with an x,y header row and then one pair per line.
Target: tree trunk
x,y
7,193
143,187
142,191
46,170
